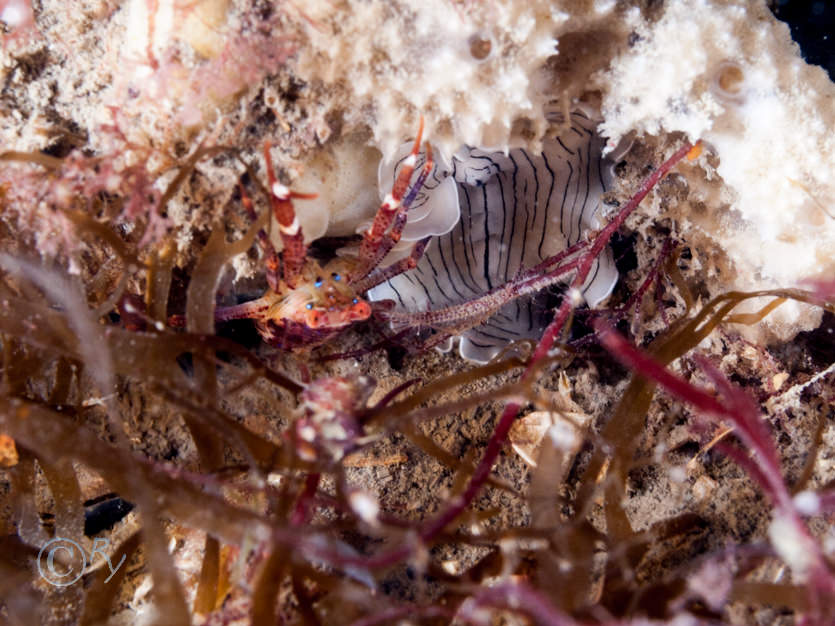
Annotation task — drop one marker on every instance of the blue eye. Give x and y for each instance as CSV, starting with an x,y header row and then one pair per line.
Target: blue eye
x,y
317,283
308,306
336,277
354,300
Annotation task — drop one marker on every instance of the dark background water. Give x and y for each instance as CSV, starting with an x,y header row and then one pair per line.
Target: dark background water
x,y
812,24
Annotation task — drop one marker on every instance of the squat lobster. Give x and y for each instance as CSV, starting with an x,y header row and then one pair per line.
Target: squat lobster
x,y
307,304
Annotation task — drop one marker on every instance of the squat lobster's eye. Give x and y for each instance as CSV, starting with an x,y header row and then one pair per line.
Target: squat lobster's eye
x,y
354,301
317,283
314,320
360,310
309,306
336,277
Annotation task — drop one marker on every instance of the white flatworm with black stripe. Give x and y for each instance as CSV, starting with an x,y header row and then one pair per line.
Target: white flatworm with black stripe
x,y
517,209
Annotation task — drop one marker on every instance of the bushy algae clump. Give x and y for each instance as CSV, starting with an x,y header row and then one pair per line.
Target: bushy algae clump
x,y
279,525
673,471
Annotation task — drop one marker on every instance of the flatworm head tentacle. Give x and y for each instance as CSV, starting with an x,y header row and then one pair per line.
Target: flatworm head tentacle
x,y
517,209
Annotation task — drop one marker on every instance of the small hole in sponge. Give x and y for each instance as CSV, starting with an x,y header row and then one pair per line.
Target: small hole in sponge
x,y
480,46
731,78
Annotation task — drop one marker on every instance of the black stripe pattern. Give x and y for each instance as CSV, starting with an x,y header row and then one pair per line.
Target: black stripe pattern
x,y
517,209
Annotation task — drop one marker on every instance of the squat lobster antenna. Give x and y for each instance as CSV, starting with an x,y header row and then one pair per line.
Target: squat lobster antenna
x,y
281,199
270,255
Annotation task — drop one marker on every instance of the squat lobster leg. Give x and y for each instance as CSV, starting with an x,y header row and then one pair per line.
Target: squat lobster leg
x,y
393,206
367,265
396,268
281,199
